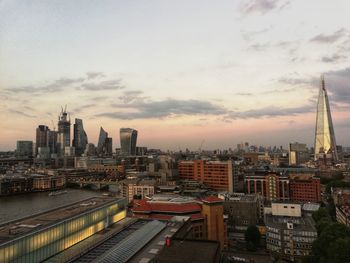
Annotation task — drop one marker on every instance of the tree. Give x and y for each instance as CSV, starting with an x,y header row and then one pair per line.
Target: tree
x,y
252,237
321,213
330,241
340,250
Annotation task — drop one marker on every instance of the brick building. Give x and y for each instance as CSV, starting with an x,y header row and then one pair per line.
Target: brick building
x,y
305,188
218,175
206,215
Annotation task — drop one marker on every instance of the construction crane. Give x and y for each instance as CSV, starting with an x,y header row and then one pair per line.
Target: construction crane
x,y
200,147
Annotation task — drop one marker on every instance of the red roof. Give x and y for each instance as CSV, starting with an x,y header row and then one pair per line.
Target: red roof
x,y
212,199
143,206
194,217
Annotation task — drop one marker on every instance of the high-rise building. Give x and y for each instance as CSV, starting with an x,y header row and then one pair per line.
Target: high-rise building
x,y
42,137
53,142
24,148
104,146
80,139
298,153
63,134
325,145
128,138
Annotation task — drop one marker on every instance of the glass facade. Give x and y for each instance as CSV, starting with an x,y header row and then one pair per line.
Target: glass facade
x,y
80,139
48,241
128,139
324,134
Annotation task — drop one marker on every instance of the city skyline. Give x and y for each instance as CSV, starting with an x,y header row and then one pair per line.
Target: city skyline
x,y
223,73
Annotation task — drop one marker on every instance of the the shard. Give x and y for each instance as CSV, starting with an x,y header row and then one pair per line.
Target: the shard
x,y
325,145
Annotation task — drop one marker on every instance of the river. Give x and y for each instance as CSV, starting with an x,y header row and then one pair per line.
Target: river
x,y
19,206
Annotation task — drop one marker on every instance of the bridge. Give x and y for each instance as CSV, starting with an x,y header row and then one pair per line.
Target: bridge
x,y
94,184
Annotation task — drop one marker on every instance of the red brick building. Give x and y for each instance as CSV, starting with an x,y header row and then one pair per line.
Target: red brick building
x,y
218,175
206,215
305,188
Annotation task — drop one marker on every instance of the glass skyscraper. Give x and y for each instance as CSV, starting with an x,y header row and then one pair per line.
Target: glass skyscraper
x,y
128,139
104,146
80,139
324,132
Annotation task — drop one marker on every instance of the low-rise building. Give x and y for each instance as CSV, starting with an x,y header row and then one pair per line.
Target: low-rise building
x,y
290,233
343,214
141,188
206,215
242,210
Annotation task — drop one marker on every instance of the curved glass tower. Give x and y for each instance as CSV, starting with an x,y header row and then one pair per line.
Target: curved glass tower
x,y
80,139
128,138
324,133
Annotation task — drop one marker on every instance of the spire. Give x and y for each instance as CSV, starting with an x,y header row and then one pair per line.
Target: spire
x,y
324,132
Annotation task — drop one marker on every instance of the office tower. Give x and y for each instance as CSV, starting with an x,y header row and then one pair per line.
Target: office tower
x,y
42,137
80,139
63,133
24,148
53,142
325,144
298,153
104,146
128,138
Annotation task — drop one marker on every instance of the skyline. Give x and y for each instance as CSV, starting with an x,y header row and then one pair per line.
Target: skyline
x,y
176,72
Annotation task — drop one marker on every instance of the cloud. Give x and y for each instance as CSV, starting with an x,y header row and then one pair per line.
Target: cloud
x,y
331,38
270,112
333,58
88,83
94,75
298,81
244,94
259,46
83,107
21,113
338,85
55,86
263,6
131,95
103,85
165,108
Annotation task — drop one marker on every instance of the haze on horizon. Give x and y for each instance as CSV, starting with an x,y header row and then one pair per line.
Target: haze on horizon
x,y
177,71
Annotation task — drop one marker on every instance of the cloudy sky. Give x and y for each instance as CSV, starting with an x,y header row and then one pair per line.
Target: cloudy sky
x,y
177,71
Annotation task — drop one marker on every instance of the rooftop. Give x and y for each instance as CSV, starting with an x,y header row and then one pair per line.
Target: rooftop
x,y
14,229
144,206
304,223
189,251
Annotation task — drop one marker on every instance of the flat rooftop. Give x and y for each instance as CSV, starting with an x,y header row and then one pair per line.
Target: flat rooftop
x,y
18,228
189,251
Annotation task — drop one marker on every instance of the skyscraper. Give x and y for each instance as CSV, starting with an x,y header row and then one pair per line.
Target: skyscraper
x,y
80,139
42,137
104,146
128,138
324,134
63,133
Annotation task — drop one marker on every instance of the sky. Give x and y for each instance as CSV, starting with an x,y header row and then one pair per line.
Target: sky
x,y
180,72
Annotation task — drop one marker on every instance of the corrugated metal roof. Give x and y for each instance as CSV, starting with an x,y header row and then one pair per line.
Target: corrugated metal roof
x,y
125,250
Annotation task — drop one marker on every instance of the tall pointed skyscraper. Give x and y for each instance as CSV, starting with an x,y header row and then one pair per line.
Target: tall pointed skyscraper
x,y
324,133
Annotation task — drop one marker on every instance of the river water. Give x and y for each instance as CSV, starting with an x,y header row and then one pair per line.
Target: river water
x,y
18,206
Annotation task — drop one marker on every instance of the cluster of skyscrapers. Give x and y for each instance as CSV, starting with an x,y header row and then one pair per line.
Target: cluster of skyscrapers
x,y
52,143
